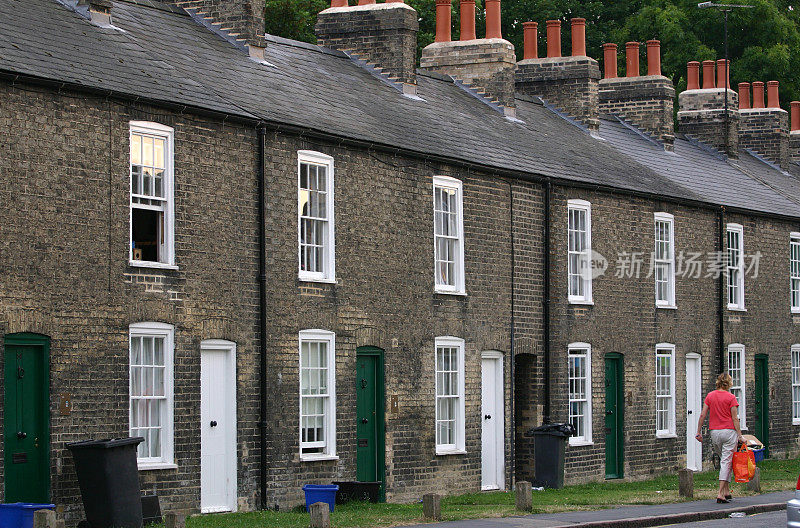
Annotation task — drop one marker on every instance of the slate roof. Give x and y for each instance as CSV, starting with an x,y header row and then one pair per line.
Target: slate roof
x,y
160,53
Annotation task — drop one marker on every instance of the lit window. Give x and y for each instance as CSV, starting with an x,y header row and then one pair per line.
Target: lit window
x,y
664,260
449,395
151,199
315,217
665,390
448,234
317,395
151,392
736,370
796,384
794,271
580,392
735,266
579,264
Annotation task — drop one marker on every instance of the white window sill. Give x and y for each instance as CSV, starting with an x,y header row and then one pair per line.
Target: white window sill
x,y
585,302
666,435
667,306
154,265
580,442
316,279
450,292
795,421
444,452
734,308
796,310
150,466
317,458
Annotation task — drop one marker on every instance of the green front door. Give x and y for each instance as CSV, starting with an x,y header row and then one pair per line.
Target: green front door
x,y
614,416
369,415
26,435
762,400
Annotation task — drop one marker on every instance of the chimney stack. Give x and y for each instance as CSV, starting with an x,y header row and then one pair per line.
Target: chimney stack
x,y
531,36
701,111
486,65
645,101
383,35
243,19
764,129
794,134
568,83
99,11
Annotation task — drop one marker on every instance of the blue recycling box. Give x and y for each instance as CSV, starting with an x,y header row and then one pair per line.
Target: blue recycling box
x,y
320,493
20,514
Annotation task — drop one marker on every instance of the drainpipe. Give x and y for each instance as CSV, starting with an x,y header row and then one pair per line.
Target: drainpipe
x,y
262,312
546,301
722,290
513,336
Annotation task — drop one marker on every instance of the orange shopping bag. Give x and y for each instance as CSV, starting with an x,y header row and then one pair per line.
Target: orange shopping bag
x,y
744,464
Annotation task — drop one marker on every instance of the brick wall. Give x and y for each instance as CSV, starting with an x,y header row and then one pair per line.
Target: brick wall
x,y
765,131
645,101
244,18
701,115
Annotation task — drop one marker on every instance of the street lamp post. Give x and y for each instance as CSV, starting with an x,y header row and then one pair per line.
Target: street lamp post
x,y
725,8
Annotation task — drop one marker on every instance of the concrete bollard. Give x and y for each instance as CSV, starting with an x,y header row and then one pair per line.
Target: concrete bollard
x,y
320,515
755,482
432,506
175,520
686,483
44,519
524,496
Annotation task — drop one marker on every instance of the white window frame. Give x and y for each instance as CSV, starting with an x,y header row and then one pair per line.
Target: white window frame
x,y
459,447
586,208
794,272
738,267
795,374
739,351
458,288
585,350
666,350
329,257
167,332
329,447
168,250
669,261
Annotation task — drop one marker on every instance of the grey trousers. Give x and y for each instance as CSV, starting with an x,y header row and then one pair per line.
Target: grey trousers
x,y
724,442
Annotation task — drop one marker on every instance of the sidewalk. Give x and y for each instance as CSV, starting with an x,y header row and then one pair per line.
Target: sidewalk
x,y
632,516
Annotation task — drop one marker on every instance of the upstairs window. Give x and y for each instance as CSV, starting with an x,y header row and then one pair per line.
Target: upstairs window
x,y
315,217
795,384
579,234
664,260
151,202
580,392
735,268
665,390
448,235
736,371
449,395
794,271
317,395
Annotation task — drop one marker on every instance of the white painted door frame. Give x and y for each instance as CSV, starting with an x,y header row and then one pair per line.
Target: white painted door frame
x,y
493,428
694,405
215,385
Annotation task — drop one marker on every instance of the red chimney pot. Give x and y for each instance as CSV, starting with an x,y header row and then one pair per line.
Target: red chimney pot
x,y
530,32
493,29
610,60
365,2
795,115
721,74
578,37
693,75
744,95
708,74
553,38
773,100
467,19
653,57
758,94
443,20
338,3
632,59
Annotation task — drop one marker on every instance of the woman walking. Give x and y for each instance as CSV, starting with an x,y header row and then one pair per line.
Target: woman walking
x,y
723,411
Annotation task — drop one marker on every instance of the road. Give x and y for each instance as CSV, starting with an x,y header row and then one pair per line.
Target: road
x,y
764,520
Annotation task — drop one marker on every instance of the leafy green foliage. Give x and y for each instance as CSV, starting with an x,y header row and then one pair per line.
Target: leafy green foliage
x,y
760,39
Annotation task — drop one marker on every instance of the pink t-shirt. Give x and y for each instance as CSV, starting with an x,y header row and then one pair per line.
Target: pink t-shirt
x,y
720,403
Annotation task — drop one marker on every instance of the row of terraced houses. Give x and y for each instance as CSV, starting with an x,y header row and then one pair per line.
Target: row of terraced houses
x,y
282,263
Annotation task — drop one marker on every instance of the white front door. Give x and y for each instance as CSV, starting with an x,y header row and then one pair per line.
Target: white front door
x,y
694,449
217,426
492,417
